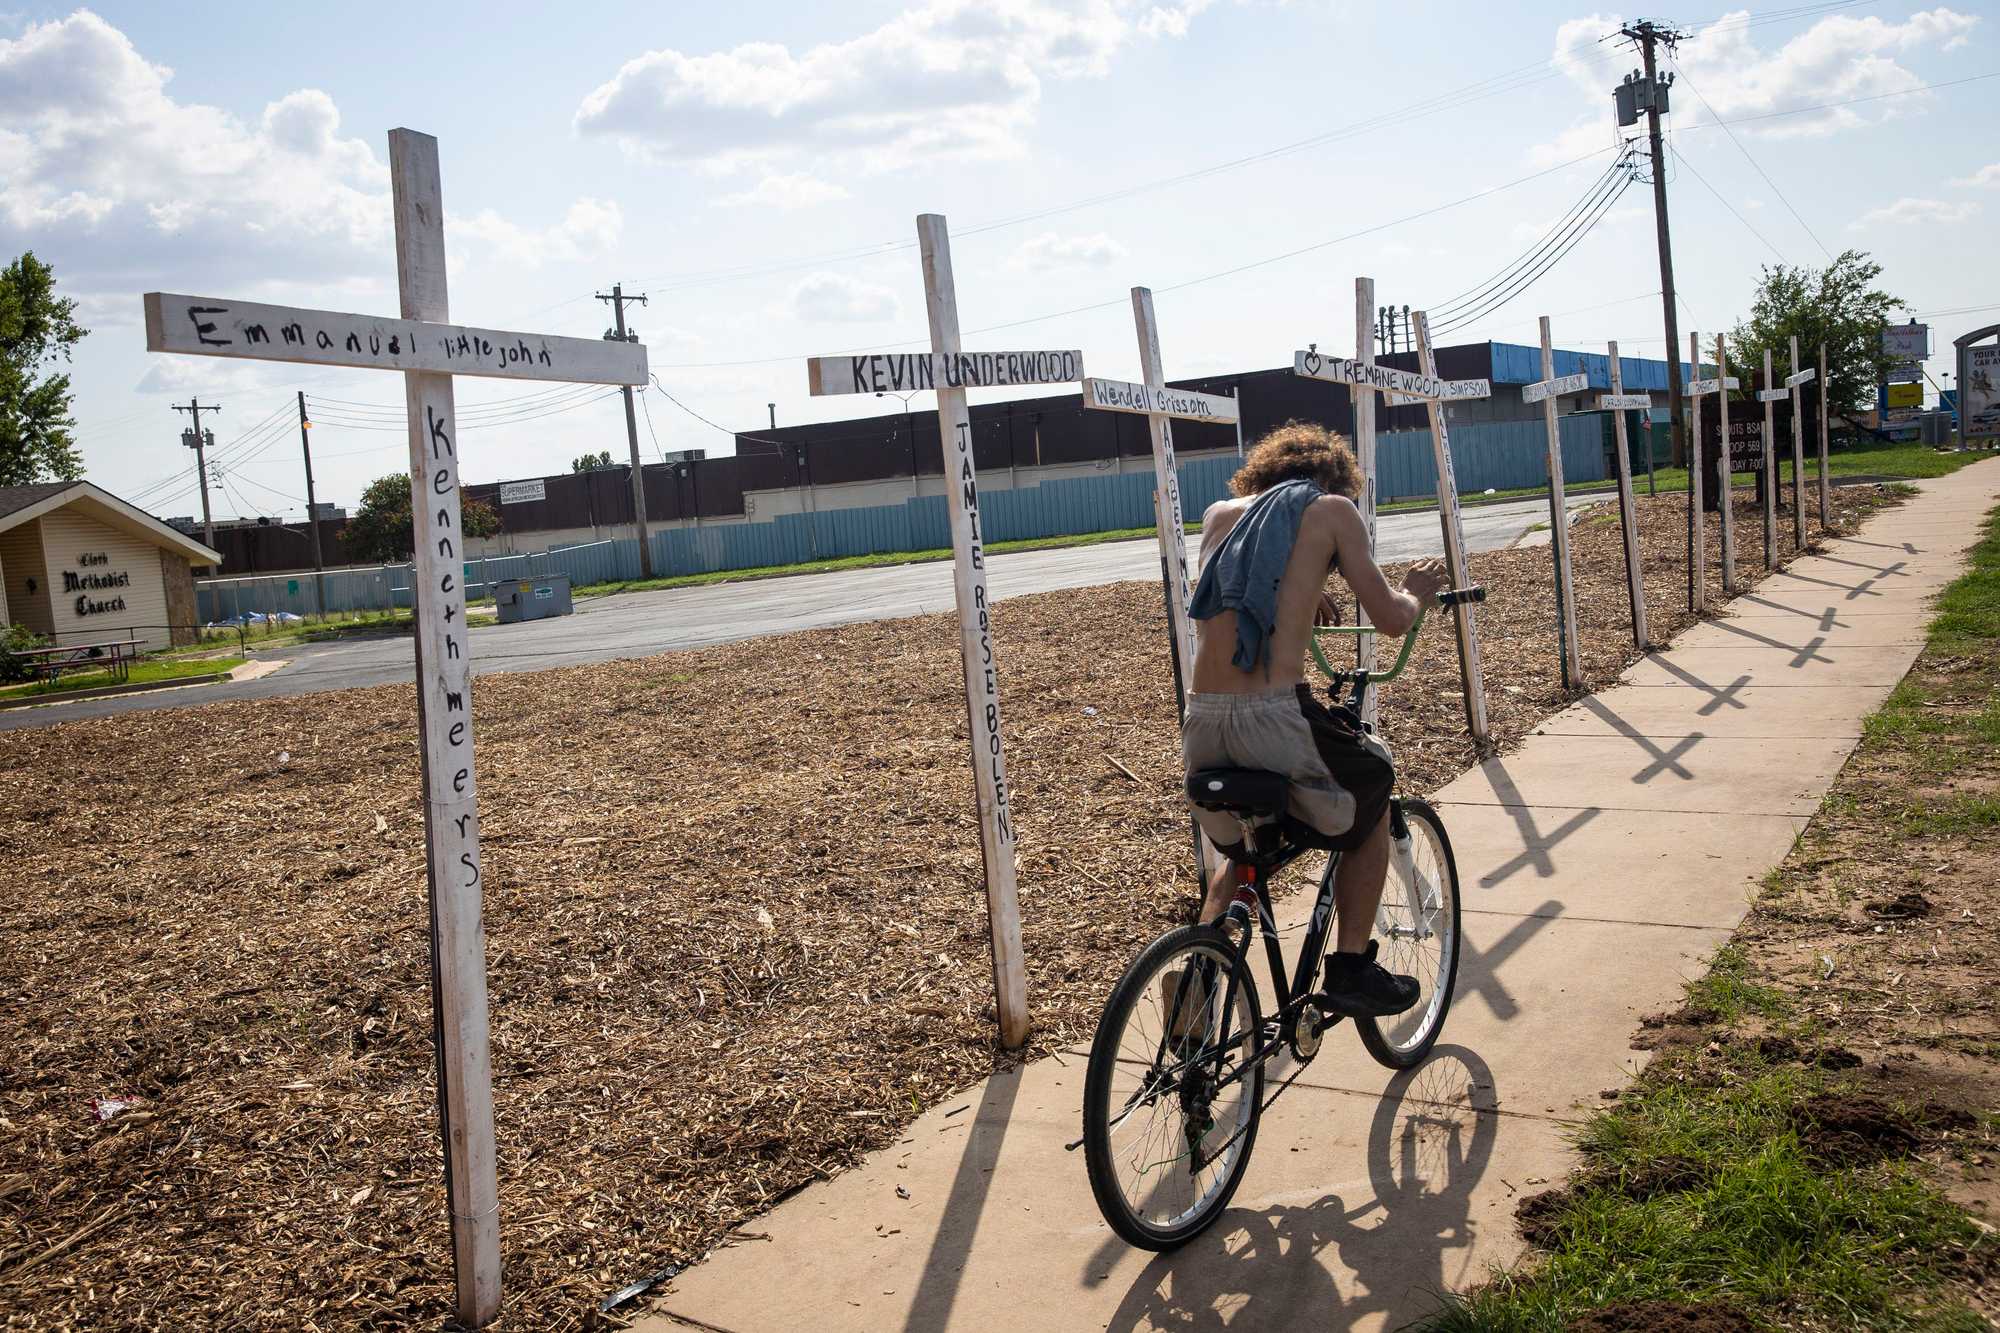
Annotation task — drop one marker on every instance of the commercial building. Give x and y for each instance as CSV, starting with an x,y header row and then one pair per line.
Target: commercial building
x,y
79,565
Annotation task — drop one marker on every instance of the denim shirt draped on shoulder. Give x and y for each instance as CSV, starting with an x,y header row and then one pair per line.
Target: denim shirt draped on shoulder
x,y
1244,572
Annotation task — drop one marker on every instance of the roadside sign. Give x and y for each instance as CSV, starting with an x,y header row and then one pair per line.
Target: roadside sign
x,y
1905,372
1907,342
1979,387
1905,395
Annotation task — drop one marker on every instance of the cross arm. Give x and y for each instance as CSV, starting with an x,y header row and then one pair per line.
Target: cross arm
x,y
248,330
1145,400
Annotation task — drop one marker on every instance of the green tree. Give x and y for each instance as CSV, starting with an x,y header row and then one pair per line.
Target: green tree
x,y
382,529
591,462
37,328
1838,305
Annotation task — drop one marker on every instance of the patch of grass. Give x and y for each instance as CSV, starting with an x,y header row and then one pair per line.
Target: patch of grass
x,y
1749,1216
1962,813
142,673
875,561
1727,991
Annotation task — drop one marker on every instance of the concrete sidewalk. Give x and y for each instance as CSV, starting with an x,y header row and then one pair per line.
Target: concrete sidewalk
x,y
1600,863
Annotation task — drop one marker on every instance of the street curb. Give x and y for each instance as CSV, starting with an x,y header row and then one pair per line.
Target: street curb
x,y
108,691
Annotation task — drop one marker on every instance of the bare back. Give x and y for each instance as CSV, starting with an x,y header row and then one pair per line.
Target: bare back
x,y
1330,533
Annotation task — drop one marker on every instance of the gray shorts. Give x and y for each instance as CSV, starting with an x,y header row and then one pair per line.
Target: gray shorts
x,y
1341,776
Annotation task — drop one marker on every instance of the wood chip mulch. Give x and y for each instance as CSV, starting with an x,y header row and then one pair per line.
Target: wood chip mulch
x,y
736,938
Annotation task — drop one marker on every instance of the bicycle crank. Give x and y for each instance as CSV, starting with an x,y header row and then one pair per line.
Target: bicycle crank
x,y
1308,1028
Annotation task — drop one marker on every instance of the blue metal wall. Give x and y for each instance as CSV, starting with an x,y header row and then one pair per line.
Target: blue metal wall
x,y
1495,455
1515,364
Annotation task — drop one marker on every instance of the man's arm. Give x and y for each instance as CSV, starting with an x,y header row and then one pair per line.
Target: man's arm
x,y
1390,610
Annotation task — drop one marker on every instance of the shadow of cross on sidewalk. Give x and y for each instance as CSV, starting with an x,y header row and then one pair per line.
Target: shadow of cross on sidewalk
x,y
1803,654
1827,619
1717,697
1853,590
1664,761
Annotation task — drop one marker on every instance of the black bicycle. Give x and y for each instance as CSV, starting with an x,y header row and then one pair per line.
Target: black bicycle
x,y
1175,1086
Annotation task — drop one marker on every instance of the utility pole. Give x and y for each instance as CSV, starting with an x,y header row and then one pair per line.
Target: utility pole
x,y
312,509
1649,94
194,440
619,300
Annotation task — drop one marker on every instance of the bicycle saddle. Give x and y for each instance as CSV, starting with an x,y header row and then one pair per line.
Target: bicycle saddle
x,y
1241,791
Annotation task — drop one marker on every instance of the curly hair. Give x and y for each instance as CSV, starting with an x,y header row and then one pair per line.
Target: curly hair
x,y
1299,451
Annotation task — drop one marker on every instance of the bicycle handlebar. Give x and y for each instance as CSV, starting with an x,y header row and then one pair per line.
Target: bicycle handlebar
x,y
1455,597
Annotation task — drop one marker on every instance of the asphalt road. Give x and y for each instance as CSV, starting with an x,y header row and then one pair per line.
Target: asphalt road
x,y
641,624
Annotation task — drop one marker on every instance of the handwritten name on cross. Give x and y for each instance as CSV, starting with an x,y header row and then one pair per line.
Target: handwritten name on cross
x,y
429,351
951,371
1400,387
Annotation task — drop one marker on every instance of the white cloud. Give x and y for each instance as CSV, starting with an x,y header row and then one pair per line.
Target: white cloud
x,y
1987,177
1591,133
1052,251
1838,58
948,78
1914,211
796,190
835,298
591,227
145,190
1171,20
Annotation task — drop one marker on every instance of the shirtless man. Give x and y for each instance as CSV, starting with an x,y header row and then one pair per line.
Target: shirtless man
x,y
1265,558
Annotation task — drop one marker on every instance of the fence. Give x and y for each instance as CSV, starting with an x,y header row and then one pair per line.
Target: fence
x,y
1496,455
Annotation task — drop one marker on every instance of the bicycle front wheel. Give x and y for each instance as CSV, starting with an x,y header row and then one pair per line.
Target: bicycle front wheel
x,y
1172,1099
1417,924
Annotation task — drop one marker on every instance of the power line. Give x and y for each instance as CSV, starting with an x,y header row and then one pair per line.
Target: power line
x,y
1472,295
1682,72
1683,159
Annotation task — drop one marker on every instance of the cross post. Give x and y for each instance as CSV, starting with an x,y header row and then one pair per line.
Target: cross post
x,y
1727,471
1547,392
1400,386
1825,495
1769,396
1471,673
429,352
1796,383
1617,402
950,372
1160,405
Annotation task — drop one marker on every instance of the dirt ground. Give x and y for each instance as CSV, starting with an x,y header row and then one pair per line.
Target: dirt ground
x,y
736,938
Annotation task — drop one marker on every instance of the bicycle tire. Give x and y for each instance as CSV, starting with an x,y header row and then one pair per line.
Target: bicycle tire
x,y
1105,1065
1408,1049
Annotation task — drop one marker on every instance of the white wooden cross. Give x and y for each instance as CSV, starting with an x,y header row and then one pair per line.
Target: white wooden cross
x,y
1825,498
1796,382
1618,402
1399,386
1160,405
1471,673
1697,389
1728,473
1546,392
429,352
950,371
1770,396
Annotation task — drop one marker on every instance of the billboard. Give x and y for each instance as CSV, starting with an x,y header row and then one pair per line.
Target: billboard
x,y
1907,342
1905,395
1979,391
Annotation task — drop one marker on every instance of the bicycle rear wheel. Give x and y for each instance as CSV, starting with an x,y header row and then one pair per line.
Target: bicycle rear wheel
x,y
1417,924
1170,1111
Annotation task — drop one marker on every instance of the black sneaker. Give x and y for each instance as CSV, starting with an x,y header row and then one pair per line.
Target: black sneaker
x,y
1360,987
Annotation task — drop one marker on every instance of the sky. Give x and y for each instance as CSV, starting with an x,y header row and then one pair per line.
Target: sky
x,y
756,171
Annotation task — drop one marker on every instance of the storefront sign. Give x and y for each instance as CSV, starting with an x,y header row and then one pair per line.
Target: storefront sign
x,y
522,492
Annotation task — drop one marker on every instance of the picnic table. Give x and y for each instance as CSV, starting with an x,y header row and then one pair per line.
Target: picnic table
x,y
113,655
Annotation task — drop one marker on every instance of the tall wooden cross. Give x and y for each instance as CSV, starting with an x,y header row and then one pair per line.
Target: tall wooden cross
x,y
1697,389
950,372
1161,406
1548,391
1795,383
1825,498
429,351
1618,402
1362,373
1770,396
1471,674
1727,473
